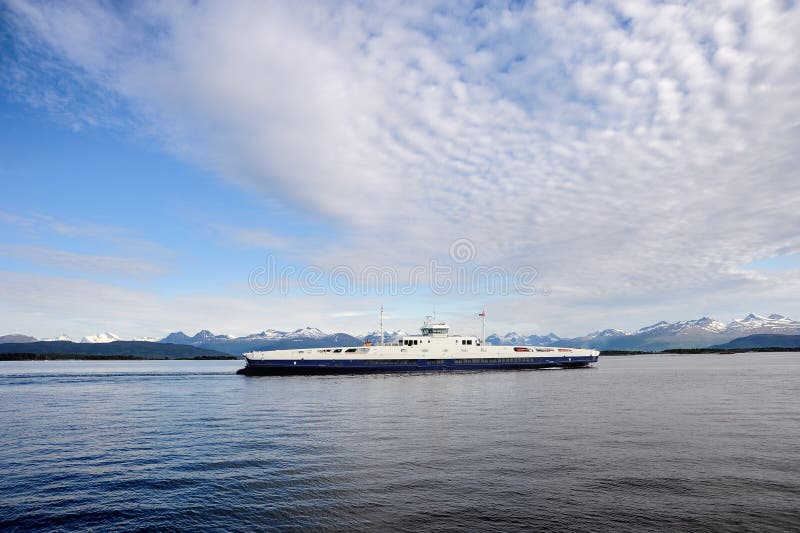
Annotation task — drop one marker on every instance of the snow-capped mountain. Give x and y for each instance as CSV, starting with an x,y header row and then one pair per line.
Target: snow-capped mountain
x,y
202,336
705,324
388,336
62,337
698,333
769,324
658,326
269,339
306,333
515,338
750,324
206,336
102,337
606,333
267,334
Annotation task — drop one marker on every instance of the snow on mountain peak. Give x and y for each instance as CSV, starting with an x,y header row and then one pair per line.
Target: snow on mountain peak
x,y
266,334
203,335
62,337
100,338
604,333
708,324
653,327
307,332
773,322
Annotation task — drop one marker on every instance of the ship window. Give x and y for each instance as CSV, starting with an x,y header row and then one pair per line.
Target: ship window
x,y
350,350
469,341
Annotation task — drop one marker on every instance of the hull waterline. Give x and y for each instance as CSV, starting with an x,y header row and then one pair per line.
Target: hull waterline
x,y
310,367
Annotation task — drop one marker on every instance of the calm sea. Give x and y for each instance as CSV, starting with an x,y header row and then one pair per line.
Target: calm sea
x,y
701,443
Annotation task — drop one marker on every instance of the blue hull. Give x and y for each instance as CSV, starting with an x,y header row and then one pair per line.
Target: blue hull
x,y
291,367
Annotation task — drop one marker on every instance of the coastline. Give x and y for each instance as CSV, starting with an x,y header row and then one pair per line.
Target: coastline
x,y
28,356
85,357
690,351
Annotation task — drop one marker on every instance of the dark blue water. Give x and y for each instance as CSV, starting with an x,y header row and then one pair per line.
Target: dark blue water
x,y
702,443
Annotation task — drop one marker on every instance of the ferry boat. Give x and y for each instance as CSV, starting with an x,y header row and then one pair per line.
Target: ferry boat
x,y
433,350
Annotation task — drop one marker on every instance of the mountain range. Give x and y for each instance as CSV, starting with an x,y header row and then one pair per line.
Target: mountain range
x,y
268,339
699,333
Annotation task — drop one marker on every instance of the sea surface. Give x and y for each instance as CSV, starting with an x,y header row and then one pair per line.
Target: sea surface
x,y
637,443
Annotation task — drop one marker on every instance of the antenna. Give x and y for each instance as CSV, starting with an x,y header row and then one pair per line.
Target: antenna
x,y
482,314
381,325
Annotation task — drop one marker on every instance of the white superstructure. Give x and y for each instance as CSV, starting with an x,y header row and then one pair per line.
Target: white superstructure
x,y
433,343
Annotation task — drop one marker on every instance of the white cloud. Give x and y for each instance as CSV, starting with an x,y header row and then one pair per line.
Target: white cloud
x,y
626,149
36,226
88,264
40,305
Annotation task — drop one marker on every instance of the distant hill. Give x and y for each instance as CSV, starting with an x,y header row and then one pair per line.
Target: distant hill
x,y
761,341
147,350
4,339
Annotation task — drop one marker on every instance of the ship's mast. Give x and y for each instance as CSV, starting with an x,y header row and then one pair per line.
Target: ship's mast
x,y
381,325
483,326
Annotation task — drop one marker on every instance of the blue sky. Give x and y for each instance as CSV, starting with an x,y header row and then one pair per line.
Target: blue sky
x,y
635,160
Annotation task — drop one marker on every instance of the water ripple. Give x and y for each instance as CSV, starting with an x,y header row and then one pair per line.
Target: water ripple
x,y
635,444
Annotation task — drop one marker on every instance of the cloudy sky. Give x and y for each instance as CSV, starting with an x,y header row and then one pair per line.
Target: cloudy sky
x,y
608,164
